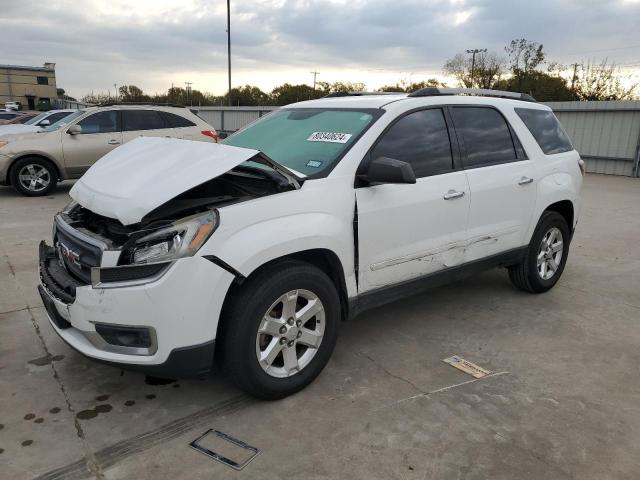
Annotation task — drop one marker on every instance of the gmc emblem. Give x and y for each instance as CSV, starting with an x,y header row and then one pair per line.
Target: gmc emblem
x,y
65,253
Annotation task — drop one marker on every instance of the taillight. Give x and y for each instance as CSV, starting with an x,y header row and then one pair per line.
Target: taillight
x,y
210,133
581,164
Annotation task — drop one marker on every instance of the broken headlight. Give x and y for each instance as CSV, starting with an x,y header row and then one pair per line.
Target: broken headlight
x,y
180,239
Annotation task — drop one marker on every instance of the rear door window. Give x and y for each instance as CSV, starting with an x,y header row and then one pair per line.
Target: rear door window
x,y
421,139
133,120
546,129
486,136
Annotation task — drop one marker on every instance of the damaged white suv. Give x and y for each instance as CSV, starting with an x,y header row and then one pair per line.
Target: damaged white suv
x,y
175,254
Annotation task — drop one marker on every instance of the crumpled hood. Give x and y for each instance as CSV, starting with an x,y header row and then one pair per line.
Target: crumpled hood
x,y
136,178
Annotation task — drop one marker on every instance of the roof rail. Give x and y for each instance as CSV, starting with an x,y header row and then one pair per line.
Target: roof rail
x,y
151,104
480,92
357,94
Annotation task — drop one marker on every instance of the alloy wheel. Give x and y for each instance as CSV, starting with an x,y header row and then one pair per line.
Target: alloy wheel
x,y
34,177
550,253
290,333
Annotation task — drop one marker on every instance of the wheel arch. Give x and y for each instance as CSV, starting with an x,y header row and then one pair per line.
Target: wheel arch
x,y
322,258
59,169
564,208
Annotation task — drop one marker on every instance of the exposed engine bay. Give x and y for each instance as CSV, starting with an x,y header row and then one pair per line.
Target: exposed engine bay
x,y
238,185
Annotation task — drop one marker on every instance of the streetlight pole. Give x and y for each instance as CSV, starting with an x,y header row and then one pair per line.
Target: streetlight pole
x,y
115,86
473,61
229,47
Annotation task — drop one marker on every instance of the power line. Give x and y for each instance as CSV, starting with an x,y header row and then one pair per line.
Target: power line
x,y
603,50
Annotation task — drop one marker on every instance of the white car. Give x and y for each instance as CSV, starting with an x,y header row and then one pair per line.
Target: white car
x,y
252,252
37,123
12,106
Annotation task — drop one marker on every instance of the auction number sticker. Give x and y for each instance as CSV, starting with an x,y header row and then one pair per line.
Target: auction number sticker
x,y
331,137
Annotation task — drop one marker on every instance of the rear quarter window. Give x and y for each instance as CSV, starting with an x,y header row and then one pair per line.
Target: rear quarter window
x,y
176,121
546,129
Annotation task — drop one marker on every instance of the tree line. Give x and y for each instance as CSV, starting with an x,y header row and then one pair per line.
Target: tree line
x,y
522,67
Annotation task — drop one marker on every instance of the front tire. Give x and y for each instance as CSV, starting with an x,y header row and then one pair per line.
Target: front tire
x,y
546,255
33,176
279,329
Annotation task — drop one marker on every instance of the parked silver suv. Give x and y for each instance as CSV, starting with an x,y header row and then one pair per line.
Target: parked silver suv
x,y
33,163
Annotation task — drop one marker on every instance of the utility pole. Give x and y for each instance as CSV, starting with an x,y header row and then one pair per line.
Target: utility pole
x,y
315,74
473,61
187,89
229,47
115,86
575,76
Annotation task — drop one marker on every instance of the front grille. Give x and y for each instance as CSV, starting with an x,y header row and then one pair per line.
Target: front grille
x,y
77,255
55,277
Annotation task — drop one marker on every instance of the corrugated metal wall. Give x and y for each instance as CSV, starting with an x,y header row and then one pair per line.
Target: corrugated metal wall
x,y
230,119
607,134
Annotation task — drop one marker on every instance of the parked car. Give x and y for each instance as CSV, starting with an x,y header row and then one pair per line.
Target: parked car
x,y
7,115
21,119
12,106
34,124
34,162
251,252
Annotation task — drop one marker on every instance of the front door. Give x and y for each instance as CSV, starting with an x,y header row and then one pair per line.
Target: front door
x,y
501,180
100,134
410,230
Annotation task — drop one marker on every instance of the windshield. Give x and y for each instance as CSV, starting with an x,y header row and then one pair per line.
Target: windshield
x,y
63,121
36,119
307,140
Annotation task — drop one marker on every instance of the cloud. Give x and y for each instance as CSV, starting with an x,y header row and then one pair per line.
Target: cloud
x,y
152,43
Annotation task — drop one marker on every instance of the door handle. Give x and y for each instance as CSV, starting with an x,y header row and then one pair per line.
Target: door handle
x,y
453,194
113,142
525,180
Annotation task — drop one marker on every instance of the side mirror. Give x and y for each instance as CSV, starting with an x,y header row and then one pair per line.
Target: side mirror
x,y
389,170
44,123
74,129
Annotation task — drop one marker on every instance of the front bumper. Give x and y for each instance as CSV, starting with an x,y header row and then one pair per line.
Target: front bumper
x,y
180,309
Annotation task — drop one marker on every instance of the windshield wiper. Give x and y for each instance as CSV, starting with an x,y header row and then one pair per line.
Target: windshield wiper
x,y
294,178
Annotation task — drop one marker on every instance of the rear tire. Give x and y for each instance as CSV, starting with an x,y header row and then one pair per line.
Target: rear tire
x,y
33,176
546,255
270,324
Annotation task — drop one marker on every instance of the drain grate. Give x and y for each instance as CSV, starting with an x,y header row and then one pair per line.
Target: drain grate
x,y
225,449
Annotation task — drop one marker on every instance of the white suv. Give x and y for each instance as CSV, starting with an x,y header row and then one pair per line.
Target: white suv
x,y
314,213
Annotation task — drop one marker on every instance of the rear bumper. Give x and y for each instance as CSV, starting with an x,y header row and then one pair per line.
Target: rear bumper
x,y
178,312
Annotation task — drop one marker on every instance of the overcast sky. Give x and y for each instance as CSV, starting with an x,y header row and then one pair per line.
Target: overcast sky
x,y
154,43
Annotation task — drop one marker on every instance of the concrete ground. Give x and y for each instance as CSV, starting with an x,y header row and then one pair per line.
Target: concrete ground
x,y
564,401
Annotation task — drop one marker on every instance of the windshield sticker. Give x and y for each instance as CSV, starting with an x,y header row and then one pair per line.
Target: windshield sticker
x,y
331,137
314,163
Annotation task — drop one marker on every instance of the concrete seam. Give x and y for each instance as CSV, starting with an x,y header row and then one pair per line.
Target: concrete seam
x,y
393,375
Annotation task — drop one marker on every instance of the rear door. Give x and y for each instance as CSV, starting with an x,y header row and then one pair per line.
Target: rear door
x,y
409,230
100,134
144,123
501,181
